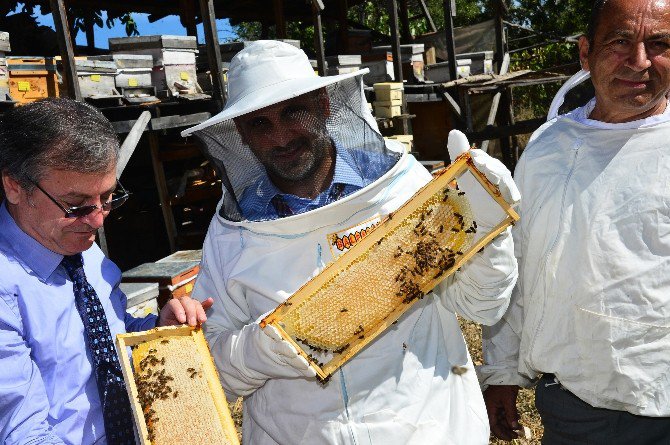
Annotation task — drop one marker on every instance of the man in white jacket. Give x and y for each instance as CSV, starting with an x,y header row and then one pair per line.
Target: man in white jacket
x,y
590,311
303,164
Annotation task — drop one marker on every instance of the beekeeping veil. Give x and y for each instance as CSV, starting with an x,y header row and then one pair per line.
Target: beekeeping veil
x,y
281,121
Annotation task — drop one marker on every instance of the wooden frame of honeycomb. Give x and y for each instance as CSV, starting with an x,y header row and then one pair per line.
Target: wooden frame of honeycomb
x,y
334,315
174,389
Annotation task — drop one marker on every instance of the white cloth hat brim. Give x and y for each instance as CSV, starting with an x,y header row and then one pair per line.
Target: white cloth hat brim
x,y
270,95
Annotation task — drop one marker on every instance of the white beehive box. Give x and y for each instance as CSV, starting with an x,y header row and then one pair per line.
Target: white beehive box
x,y
174,71
96,78
4,79
134,70
4,71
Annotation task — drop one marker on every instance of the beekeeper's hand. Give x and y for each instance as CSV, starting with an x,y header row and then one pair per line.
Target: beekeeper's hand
x,y
484,211
267,353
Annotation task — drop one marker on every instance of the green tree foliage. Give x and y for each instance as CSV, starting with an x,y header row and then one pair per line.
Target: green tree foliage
x,y
374,14
80,18
552,21
545,48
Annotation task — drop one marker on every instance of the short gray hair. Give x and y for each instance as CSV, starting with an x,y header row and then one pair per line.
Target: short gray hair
x,y
60,134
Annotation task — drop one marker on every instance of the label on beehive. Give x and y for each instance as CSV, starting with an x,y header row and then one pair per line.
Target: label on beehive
x,y
132,82
183,75
95,77
24,86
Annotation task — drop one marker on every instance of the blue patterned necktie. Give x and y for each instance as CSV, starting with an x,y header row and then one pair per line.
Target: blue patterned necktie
x,y
113,396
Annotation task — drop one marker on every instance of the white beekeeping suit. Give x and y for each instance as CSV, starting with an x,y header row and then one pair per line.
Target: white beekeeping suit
x,y
400,388
592,302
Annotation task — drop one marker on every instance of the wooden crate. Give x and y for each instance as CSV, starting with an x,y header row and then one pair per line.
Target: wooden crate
x,y
32,78
199,387
356,298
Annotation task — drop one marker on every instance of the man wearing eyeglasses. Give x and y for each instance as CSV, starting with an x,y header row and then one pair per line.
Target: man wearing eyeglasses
x,y
60,305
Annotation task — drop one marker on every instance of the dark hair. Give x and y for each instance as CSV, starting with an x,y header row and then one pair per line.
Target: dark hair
x,y
58,134
594,21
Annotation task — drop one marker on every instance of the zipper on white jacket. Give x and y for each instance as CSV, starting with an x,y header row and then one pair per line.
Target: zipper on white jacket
x,y
575,147
345,400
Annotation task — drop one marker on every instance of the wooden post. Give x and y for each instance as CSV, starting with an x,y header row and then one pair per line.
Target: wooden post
x,y
449,29
342,27
395,40
317,6
501,44
280,19
496,101
163,194
213,51
397,56
65,45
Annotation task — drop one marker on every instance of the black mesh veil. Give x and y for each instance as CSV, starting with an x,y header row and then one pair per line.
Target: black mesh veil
x,y
303,147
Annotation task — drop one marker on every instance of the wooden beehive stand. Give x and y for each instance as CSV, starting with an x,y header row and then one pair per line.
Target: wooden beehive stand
x,y
182,425
442,180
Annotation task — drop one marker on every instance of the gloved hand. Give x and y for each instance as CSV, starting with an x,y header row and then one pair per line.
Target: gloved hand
x,y
486,213
267,353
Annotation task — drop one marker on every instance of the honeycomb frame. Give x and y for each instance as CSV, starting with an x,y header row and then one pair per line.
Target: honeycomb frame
x,y
159,339
326,361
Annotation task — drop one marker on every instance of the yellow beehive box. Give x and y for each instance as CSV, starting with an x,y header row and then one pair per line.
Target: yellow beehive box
x,y
389,103
407,140
32,78
383,86
359,295
385,91
384,95
392,111
174,389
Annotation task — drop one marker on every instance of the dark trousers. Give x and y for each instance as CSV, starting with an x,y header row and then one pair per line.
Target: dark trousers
x,y
568,420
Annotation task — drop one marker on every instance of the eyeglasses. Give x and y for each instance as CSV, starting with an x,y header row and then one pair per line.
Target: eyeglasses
x,y
119,196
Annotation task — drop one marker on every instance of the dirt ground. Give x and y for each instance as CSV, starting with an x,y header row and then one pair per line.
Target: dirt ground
x,y
526,401
473,336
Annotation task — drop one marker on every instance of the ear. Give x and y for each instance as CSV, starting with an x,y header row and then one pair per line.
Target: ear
x,y
584,49
12,188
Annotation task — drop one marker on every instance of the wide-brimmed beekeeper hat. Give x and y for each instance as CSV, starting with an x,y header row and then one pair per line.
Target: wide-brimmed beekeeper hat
x,y
265,73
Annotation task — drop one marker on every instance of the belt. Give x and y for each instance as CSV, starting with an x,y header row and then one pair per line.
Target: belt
x,y
550,379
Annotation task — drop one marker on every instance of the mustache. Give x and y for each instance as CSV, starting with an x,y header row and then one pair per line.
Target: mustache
x,y
629,76
293,144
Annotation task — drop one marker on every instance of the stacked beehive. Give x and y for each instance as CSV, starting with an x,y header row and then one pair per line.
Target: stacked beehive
x,y
174,73
388,99
32,78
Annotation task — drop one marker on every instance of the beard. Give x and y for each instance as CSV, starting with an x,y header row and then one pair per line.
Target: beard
x,y
298,160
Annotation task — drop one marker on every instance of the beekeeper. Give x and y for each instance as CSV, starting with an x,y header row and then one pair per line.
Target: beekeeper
x,y
302,162
591,308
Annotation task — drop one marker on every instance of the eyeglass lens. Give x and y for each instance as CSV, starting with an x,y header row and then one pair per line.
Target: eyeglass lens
x,y
118,198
